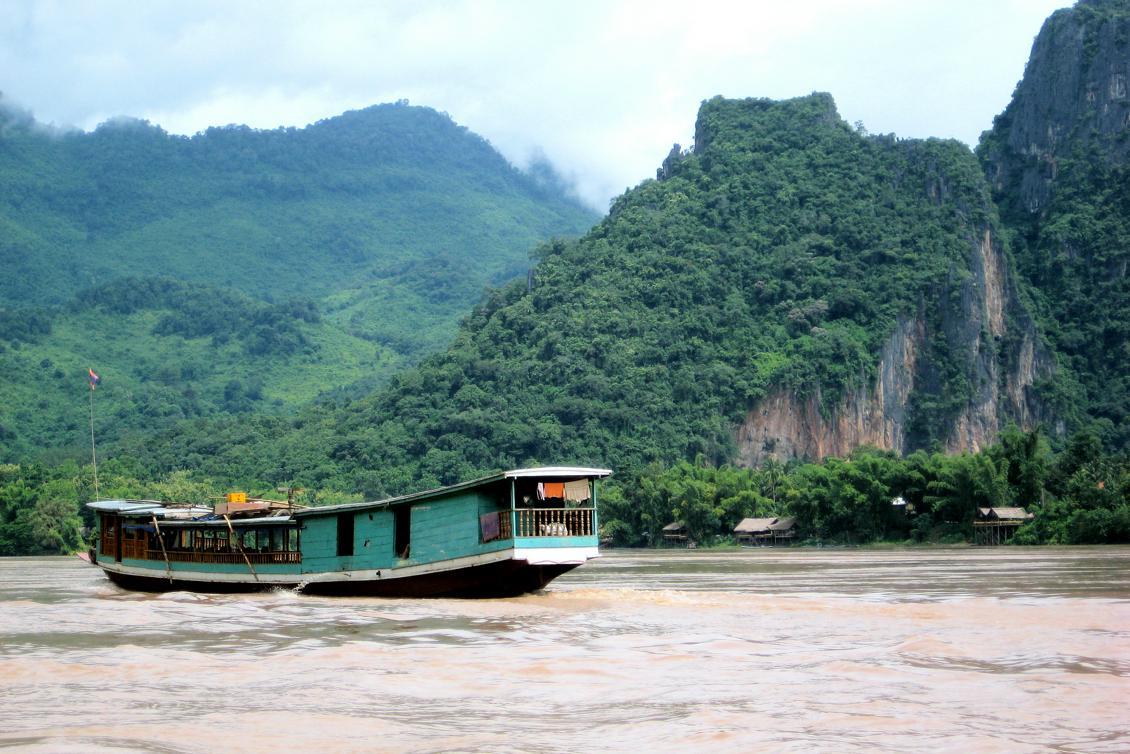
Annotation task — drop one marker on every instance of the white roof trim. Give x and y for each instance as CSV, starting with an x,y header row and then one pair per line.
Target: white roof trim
x,y
556,471
122,506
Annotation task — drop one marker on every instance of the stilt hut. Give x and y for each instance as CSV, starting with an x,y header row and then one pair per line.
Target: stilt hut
x,y
675,533
783,530
758,532
995,526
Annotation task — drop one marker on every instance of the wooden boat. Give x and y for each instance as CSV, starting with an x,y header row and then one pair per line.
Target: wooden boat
x,y
502,535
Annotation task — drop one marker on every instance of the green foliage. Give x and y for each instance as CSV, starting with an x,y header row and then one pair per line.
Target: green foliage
x,y
39,510
1083,499
169,350
849,500
781,253
347,203
1065,200
243,271
708,500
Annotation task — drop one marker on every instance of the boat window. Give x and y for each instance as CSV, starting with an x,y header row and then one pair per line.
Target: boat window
x,y
402,543
344,534
526,493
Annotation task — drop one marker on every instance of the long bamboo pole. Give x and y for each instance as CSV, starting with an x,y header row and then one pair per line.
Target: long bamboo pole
x,y
240,546
168,565
93,455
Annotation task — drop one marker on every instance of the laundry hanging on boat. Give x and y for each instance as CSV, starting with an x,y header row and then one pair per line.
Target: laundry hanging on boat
x,y
554,490
577,490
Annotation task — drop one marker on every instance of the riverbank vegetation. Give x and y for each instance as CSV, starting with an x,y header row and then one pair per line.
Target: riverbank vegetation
x,y
1079,496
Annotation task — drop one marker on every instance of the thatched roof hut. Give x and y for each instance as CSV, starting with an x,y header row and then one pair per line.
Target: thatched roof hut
x,y
764,531
995,526
754,526
675,532
1004,514
783,524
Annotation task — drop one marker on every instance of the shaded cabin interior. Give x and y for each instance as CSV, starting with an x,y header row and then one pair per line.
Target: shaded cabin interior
x,y
136,530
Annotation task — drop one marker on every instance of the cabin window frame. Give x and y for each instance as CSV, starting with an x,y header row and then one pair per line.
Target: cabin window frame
x,y
402,532
346,529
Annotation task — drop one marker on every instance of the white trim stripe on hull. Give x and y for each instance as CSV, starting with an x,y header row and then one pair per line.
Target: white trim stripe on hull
x,y
540,556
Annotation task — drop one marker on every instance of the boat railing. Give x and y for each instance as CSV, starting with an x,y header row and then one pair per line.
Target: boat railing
x,y
234,556
555,522
134,548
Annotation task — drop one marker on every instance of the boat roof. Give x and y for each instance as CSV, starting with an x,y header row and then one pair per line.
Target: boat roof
x,y
149,508
220,522
551,472
126,506
173,516
190,514
538,472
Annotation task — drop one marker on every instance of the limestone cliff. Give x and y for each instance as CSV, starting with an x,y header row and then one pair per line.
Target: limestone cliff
x,y
1058,159
977,356
984,326
1074,98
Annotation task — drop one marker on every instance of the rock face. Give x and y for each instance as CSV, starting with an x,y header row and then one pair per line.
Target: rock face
x,y
988,330
1056,164
1075,96
1058,159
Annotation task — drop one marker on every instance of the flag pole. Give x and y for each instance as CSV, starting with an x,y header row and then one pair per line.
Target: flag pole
x,y
93,455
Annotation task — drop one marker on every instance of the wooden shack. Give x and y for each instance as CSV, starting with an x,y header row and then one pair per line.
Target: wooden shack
x,y
675,533
995,526
783,529
760,532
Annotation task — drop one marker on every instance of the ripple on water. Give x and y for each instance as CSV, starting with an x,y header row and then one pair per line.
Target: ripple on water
x,y
767,650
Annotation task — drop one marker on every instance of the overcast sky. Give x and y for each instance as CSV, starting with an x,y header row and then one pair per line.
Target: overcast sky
x,y
601,88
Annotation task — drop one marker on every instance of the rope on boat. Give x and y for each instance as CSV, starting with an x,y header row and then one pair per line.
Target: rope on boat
x,y
168,565
239,544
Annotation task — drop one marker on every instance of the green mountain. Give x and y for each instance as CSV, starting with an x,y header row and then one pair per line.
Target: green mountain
x,y
393,194
242,270
850,288
1058,158
166,350
790,288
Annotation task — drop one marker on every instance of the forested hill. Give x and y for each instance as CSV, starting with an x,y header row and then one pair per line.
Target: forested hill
x,y
1059,161
242,270
393,195
791,288
787,255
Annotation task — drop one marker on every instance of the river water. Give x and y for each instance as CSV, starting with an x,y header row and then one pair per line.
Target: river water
x,y
987,650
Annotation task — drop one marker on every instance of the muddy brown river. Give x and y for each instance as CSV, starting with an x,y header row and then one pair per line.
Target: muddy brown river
x,y
954,650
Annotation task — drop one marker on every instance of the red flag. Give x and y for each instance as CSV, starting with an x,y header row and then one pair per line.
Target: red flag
x,y
94,379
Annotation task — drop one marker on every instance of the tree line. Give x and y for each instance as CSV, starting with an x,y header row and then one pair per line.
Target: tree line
x,y
1080,495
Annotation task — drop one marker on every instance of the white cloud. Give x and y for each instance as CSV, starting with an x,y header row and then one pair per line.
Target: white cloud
x,y
602,88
